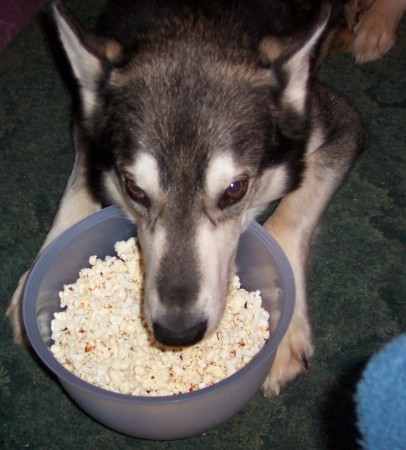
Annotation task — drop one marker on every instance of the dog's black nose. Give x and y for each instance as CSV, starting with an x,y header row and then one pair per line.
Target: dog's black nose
x,y
179,338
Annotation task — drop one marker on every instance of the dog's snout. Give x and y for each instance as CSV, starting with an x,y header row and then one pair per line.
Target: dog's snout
x,y
179,337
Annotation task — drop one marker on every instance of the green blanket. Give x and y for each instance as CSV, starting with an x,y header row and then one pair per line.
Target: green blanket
x,y
356,278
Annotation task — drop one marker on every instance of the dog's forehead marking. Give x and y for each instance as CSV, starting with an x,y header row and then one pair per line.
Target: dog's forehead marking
x,y
221,171
145,172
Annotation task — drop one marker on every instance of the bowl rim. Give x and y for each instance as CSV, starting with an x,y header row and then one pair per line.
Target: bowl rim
x,y
65,376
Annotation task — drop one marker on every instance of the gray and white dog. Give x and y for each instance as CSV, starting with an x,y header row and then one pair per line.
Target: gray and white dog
x,y
194,116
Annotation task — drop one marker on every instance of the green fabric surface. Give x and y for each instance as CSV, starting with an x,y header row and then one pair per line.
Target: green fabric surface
x,y
356,277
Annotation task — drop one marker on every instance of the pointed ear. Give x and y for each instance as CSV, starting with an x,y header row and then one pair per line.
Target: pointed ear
x,y
88,53
290,60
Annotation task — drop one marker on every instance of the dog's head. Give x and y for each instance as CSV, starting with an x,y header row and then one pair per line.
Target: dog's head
x,y
194,133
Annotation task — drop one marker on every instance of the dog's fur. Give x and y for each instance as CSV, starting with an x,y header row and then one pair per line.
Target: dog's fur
x,y
372,26
194,117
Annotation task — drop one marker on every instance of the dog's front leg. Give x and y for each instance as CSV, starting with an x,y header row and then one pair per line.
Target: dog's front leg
x,y
77,203
293,224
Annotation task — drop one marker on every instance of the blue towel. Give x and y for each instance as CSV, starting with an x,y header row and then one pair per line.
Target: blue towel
x,y
381,399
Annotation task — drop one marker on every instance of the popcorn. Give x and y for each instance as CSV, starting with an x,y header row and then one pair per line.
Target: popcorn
x,y
103,338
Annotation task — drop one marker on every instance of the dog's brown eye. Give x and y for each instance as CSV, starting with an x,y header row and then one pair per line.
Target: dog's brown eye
x,y
136,193
234,193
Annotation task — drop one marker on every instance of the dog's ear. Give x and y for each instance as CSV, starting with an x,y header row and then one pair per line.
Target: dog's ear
x,y
290,60
89,54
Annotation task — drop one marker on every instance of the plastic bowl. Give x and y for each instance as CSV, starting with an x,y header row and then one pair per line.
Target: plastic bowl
x,y
166,417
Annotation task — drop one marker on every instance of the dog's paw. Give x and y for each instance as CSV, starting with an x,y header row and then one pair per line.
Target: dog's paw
x,y
14,310
291,359
374,36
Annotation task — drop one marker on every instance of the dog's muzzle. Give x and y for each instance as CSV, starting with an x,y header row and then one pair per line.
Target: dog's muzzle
x,y
177,336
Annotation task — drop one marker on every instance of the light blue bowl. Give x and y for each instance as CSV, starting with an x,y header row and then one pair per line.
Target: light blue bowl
x,y
167,417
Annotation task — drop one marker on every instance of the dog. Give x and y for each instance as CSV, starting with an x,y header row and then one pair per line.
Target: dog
x,y
194,117
370,27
